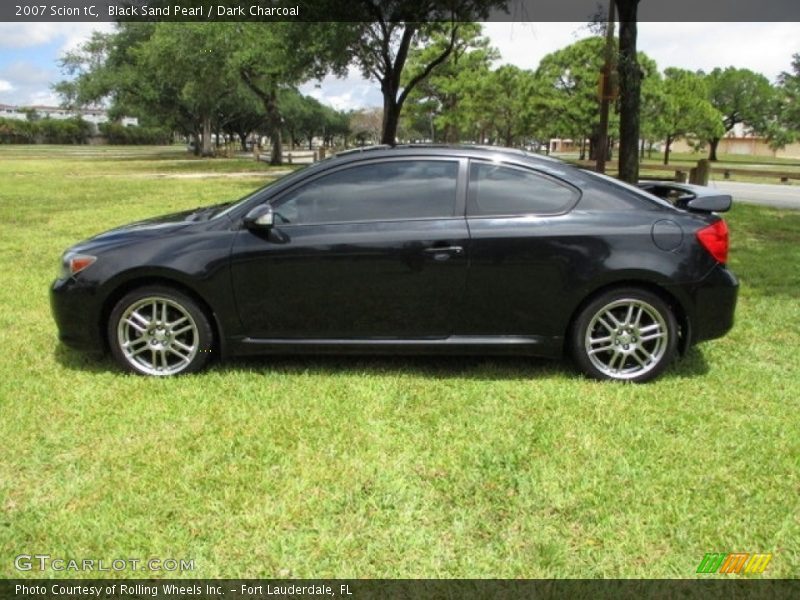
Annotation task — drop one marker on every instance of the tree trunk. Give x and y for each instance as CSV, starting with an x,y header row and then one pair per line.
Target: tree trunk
x,y
630,78
641,152
667,144
276,157
391,118
713,143
207,137
243,140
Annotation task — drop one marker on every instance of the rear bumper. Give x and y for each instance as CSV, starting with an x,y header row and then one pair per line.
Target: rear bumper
x,y
76,311
714,304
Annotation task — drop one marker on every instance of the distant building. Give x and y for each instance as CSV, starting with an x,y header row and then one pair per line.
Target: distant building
x,y
743,142
91,115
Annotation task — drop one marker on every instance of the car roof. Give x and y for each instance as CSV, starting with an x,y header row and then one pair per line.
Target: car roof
x,y
501,153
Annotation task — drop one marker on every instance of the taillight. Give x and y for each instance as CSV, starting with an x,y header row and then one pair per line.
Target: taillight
x,y
714,238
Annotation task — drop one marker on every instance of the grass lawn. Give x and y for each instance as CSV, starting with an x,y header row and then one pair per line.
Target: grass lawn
x,y
381,467
687,160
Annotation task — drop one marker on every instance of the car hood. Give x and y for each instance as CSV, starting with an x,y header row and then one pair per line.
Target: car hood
x,y
153,227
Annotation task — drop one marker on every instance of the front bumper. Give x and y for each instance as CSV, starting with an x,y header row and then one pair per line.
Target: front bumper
x,y
77,312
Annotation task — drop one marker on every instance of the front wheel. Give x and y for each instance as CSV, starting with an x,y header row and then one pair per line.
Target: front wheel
x,y
626,334
160,331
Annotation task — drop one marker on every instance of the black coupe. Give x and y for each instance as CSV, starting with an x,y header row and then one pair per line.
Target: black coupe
x,y
412,249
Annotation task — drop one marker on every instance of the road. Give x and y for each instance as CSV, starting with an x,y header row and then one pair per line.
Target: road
x,y
767,194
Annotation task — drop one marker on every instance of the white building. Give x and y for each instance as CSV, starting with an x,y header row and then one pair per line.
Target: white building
x,y
92,115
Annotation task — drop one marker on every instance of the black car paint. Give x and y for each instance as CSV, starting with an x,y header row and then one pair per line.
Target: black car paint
x,y
398,286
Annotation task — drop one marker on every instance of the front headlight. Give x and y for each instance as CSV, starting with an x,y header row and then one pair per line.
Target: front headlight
x,y
72,264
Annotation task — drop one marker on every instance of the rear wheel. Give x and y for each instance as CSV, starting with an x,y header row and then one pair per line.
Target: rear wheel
x,y
159,331
626,334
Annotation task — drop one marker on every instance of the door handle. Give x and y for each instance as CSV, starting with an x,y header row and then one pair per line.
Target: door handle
x,y
444,250
442,253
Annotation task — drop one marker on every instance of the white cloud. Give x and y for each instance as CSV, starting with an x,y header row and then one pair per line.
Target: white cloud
x,y
762,47
5,86
346,93
765,48
26,35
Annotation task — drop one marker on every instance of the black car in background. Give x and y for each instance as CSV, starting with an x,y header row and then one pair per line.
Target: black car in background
x,y
412,249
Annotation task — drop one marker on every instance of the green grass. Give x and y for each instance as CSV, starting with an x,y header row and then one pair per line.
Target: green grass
x,y
687,160
382,467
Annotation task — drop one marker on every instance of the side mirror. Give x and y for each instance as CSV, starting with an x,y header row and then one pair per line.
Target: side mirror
x,y
261,217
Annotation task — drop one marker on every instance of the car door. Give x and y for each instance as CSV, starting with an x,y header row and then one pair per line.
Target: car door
x,y
376,249
523,251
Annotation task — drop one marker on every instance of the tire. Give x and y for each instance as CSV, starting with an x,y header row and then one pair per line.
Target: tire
x,y
159,331
625,334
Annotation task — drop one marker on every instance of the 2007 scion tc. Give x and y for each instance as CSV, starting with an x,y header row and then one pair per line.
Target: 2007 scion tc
x,y
413,249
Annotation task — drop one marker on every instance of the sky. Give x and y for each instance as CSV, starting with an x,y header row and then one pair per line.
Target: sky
x,y
29,53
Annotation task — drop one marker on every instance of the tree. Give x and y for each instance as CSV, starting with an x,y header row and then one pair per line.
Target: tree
x,y
388,31
269,59
195,59
784,127
366,125
568,89
685,110
790,88
740,96
652,108
630,78
150,70
435,100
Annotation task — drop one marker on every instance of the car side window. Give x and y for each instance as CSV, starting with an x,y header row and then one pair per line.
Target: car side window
x,y
381,191
500,190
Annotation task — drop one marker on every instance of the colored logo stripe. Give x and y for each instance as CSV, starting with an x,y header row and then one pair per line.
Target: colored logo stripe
x,y
733,562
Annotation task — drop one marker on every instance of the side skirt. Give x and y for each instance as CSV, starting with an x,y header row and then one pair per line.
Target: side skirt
x,y
546,347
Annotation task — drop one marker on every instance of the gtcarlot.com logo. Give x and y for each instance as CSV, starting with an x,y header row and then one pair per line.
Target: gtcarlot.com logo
x,y
45,562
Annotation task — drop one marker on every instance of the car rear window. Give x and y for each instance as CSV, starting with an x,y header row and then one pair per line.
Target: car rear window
x,y
500,190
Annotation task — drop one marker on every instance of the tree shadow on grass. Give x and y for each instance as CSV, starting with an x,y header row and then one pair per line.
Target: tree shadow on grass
x,y
494,368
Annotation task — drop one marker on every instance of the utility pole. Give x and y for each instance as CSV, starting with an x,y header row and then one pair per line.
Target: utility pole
x,y
606,92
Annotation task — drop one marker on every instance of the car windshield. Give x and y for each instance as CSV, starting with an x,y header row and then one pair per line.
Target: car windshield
x,y
231,206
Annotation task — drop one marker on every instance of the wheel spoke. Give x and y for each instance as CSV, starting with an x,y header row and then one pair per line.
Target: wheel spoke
x,y
141,319
139,350
638,317
182,330
652,336
177,322
629,315
605,324
178,354
134,342
135,325
635,355
646,356
164,312
603,349
183,346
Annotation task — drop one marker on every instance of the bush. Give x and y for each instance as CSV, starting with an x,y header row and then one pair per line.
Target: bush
x,y
46,131
119,134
